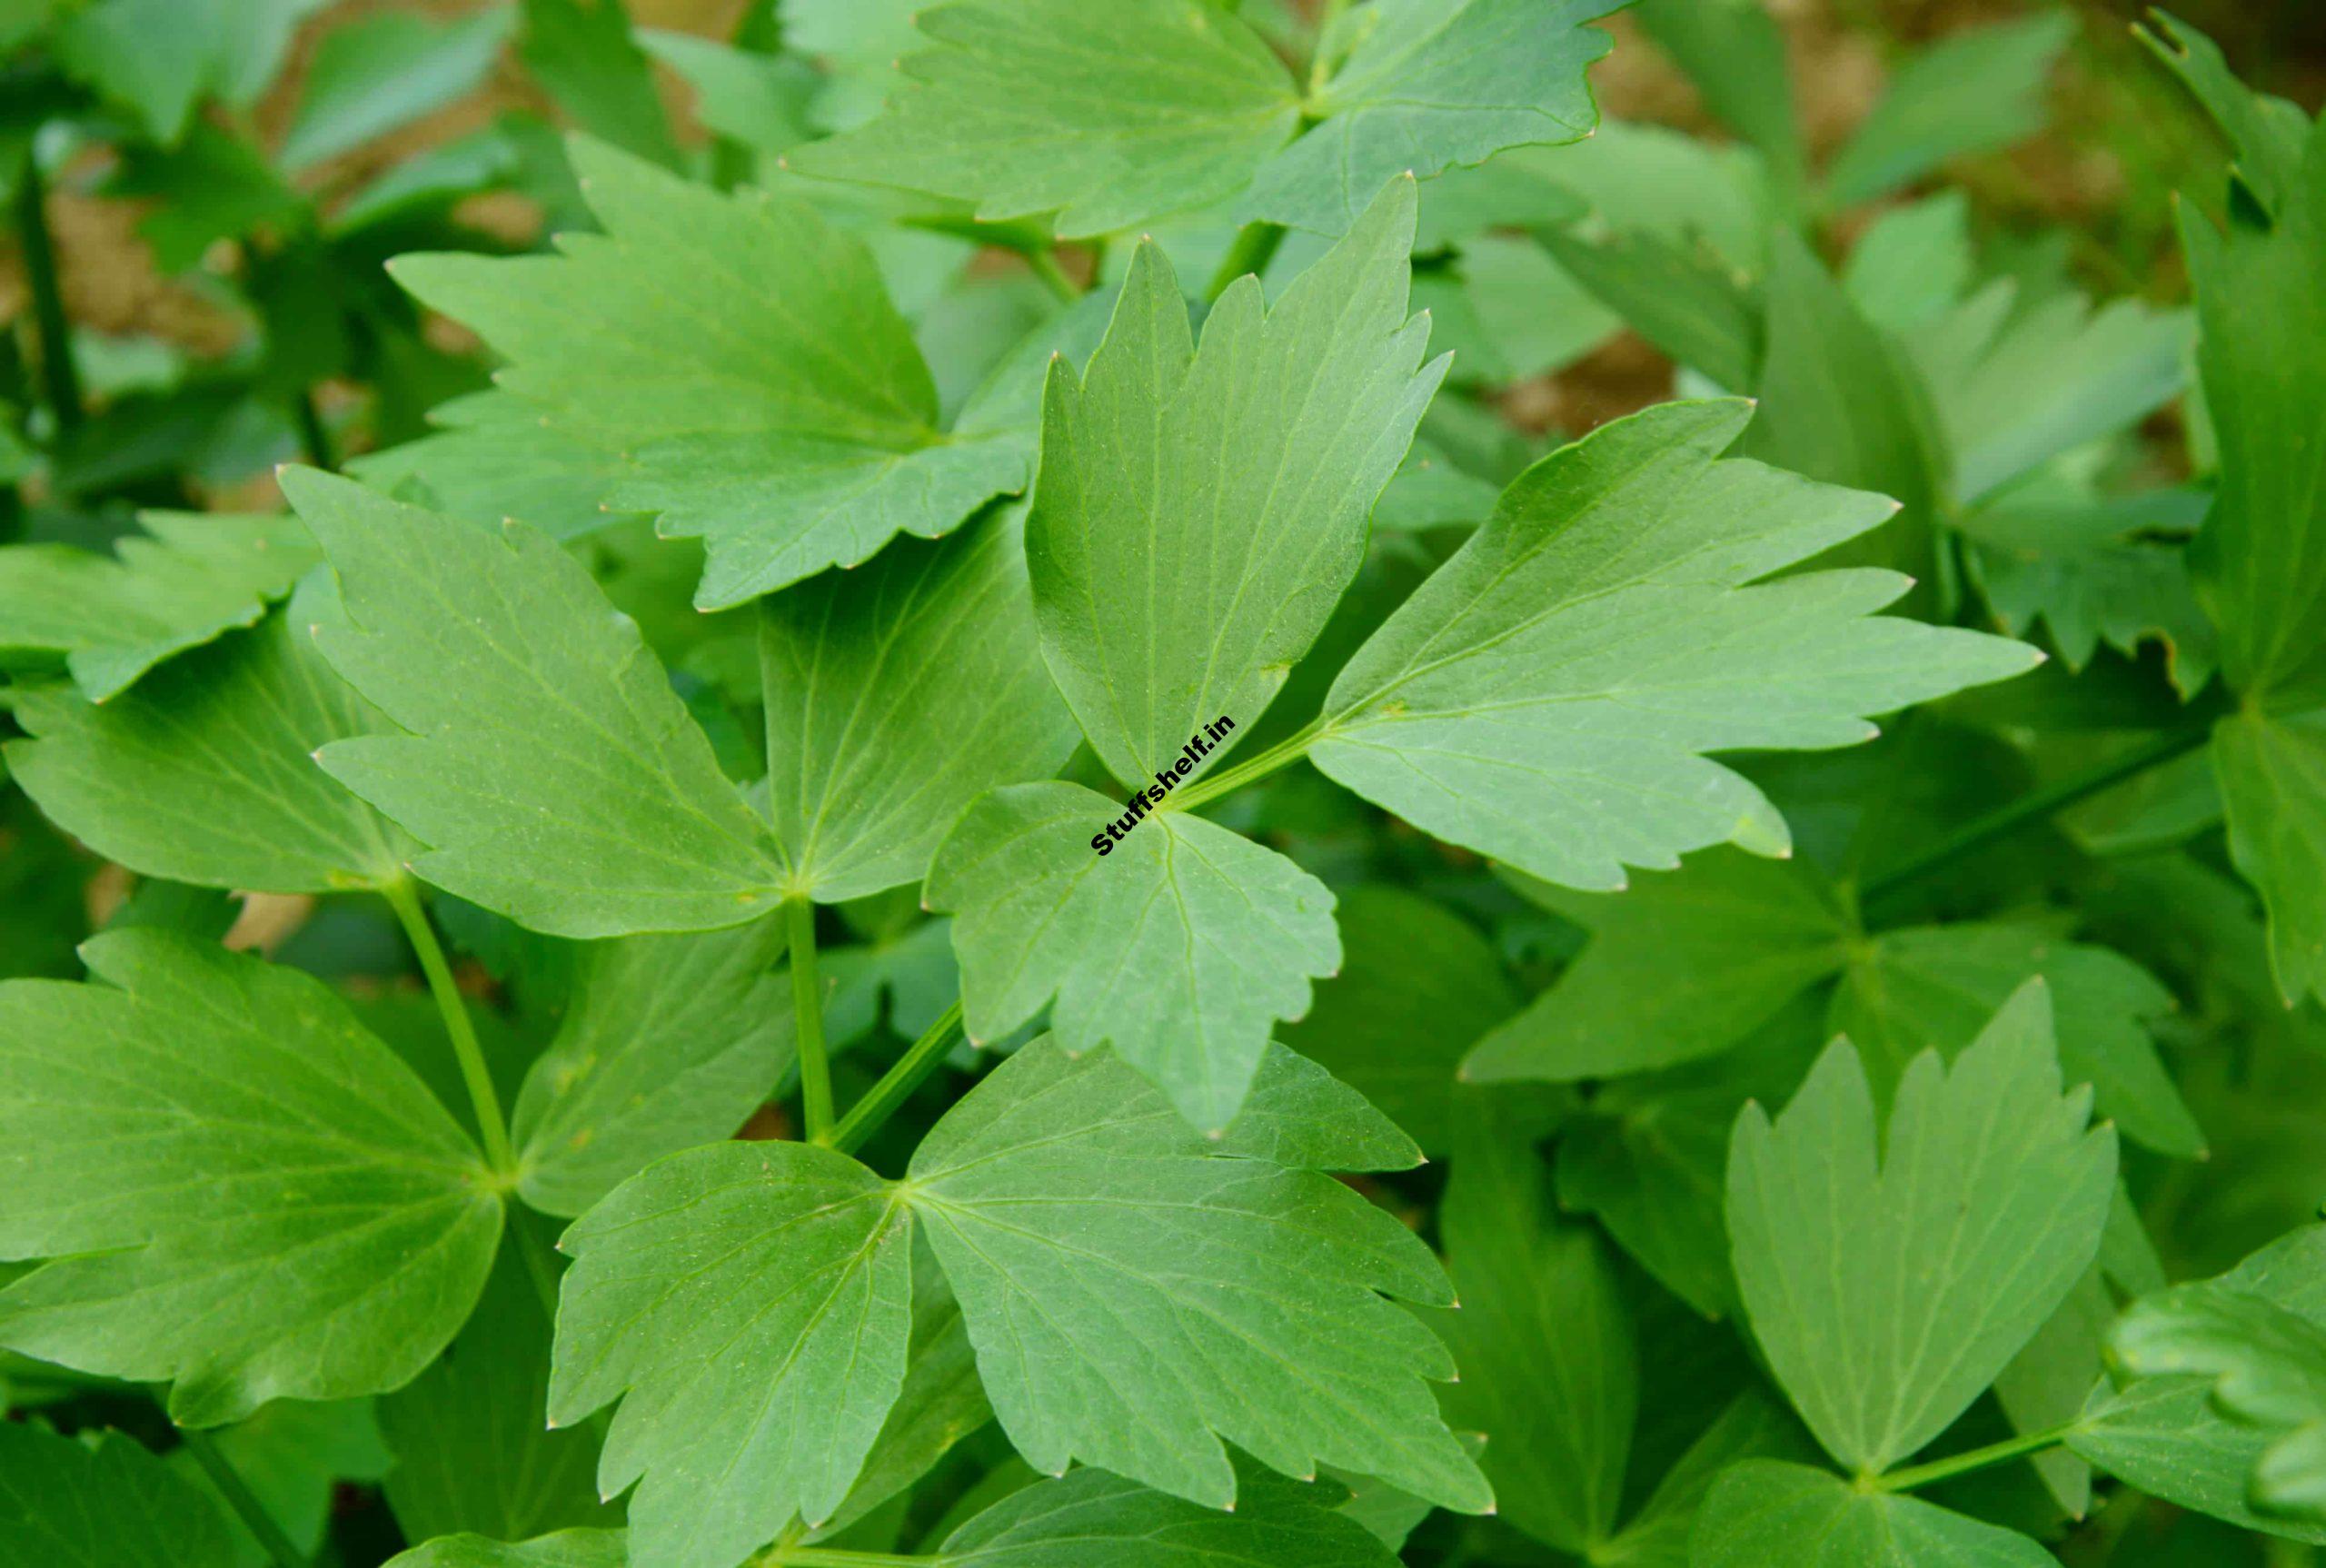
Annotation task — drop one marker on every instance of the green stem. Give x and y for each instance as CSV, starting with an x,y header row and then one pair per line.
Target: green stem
x,y
839,1557
897,1085
2038,804
1283,754
241,1499
405,899
1994,1453
61,377
1045,267
1254,246
313,439
808,1007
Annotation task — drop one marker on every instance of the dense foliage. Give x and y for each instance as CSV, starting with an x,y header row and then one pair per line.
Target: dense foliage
x,y
990,865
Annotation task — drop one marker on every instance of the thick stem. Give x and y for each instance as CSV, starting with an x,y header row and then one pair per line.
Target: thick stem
x,y
1053,277
896,1086
808,1007
58,373
1254,247
1994,1453
2038,804
405,899
241,1499
1283,754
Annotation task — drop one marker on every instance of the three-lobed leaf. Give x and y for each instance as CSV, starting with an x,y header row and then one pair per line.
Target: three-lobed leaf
x,y
1889,1280
242,1191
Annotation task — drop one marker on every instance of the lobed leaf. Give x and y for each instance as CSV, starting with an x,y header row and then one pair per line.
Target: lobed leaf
x,y
553,771
244,1192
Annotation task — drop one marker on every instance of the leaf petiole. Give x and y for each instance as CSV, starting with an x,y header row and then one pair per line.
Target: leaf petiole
x,y
1253,248
807,1008
241,1499
2040,803
1994,1453
897,1085
839,1557
403,898
1283,754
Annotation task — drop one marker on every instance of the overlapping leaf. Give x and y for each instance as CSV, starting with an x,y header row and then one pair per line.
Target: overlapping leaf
x,y
1138,1292
746,362
110,619
1547,698
1427,84
244,1192
553,771
1180,947
749,1303
895,696
1889,1282
668,1042
1201,510
205,772
1765,1510
111,1506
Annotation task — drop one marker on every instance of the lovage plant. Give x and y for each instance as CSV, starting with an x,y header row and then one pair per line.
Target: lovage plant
x,y
986,867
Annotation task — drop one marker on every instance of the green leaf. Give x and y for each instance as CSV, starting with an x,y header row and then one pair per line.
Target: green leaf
x,y
745,362
1416,984
1180,947
1585,648
1889,1289
1201,511
244,1192
214,187
2267,132
1975,91
1428,84
472,1446
2165,1432
1550,1374
294,1454
1675,294
1683,965
2273,777
1094,1520
2018,382
205,773
1933,987
565,1549
155,57
749,1303
2095,568
760,101
2260,558
1839,402
941,1402
1649,1158
898,694
583,55
1025,111
69,1504
497,458
1735,53
383,71
1763,1511
1752,1426
1138,1292
550,766
668,1042
112,618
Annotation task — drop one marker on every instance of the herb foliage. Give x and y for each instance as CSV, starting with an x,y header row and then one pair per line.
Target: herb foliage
x,y
557,1008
